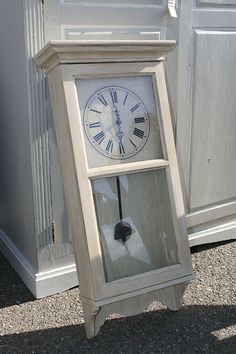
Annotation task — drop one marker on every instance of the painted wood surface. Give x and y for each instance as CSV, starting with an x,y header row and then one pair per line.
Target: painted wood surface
x,y
213,158
171,264
216,2
95,316
16,181
205,117
108,51
98,19
53,243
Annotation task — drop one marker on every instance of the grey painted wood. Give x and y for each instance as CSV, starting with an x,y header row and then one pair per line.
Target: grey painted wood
x,y
38,125
216,2
63,252
95,291
16,185
213,158
103,20
43,260
205,117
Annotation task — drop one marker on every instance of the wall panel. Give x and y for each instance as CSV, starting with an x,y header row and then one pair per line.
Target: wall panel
x,y
213,157
96,19
216,2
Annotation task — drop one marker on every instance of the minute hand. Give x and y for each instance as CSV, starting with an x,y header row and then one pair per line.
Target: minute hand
x,y
120,133
118,120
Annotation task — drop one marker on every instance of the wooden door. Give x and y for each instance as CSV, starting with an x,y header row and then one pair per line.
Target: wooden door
x,y
206,111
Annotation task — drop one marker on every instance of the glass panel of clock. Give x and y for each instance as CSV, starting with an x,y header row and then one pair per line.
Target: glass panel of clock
x,y
119,119
135,224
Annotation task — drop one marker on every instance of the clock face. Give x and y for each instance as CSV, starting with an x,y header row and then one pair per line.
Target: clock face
x,y
120,120
116,122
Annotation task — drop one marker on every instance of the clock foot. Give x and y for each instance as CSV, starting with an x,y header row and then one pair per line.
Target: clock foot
x,y
123,231
90,314
172,296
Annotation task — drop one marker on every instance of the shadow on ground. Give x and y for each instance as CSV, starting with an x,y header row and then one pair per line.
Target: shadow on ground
x,y
12,289
194,329
208,246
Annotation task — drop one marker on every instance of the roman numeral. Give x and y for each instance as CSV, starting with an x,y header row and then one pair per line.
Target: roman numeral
x,y
99,137
95,125
132,143
125,99
102,100
121,148
94,110
134,108
109,146
138,132
139,120
114,96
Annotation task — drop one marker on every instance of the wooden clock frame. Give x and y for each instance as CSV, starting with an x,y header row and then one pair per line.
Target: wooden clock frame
x,y
98,59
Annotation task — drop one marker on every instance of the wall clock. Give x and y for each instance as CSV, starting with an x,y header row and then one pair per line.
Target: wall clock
x,y
120,173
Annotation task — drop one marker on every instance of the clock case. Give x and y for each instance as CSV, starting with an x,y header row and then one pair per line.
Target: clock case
x,y
64,62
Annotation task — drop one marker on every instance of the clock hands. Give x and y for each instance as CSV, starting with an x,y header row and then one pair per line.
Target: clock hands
x,y
123,229
116,122
120,133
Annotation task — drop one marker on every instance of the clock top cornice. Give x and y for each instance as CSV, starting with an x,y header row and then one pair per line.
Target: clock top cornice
x,y
101,51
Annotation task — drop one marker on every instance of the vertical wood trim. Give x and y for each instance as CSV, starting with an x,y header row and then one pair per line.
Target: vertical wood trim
x,y
184,94
38,121
173,170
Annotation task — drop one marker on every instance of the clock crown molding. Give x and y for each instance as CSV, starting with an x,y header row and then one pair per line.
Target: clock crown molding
x,y
57,52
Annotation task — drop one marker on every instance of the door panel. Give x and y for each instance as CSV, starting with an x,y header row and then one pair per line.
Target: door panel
x,y
213,157
67,19
217,2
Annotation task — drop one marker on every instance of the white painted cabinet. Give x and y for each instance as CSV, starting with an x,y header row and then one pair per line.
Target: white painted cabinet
x,y
206,108
201,82
34,225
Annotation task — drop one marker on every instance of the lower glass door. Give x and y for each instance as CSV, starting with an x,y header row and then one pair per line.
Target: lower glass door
x,y
135,223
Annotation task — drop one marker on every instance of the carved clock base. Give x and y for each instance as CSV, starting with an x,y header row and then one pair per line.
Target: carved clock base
x,y
95,316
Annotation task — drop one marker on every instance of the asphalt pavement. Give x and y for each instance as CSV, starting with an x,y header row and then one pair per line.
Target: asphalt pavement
x,y
205,324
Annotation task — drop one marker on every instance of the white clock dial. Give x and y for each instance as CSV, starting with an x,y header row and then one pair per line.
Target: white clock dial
x,y
116,122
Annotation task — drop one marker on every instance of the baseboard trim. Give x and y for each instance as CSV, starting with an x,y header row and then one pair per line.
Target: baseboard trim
x,y
215,234
56,280
23,268
40,284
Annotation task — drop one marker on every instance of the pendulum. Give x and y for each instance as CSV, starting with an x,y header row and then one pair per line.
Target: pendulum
x,y
123,230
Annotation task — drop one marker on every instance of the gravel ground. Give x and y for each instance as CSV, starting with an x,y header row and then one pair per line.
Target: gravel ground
x,y
205,324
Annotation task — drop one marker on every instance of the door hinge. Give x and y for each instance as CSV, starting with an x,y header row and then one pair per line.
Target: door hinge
x,y
53,232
